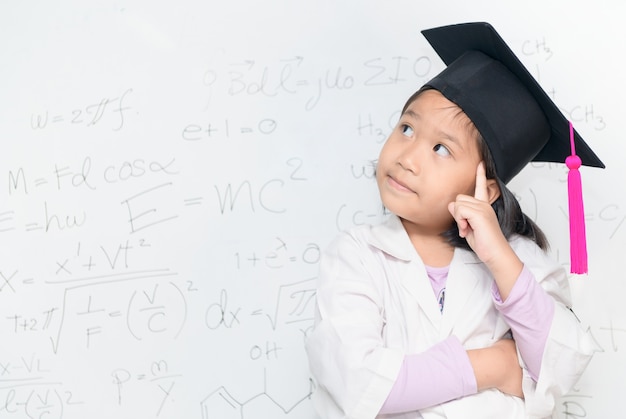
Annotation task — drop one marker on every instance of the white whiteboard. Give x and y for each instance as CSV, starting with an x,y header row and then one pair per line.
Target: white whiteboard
x,y
170,172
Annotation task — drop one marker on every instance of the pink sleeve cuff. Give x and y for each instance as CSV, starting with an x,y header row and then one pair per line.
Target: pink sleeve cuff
x,y
440,374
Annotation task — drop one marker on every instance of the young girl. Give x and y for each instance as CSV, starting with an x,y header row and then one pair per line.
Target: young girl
x,y
451,308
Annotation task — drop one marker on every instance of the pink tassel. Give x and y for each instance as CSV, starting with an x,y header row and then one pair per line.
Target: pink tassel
x,y
578,239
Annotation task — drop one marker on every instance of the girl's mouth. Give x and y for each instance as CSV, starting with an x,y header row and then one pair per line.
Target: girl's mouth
x,y
395,184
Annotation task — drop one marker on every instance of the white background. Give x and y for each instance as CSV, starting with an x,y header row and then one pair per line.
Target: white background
x,y
170,171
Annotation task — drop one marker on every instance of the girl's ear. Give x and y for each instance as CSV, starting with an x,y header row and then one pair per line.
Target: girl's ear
x,y
493,190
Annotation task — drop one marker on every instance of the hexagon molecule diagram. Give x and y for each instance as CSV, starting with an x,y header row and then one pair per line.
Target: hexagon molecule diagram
x,y
220,404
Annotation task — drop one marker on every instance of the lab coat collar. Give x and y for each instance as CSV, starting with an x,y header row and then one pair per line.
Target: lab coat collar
x,y
466,271
391,237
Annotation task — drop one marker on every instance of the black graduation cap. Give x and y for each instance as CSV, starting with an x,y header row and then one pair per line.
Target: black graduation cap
x,y
513,113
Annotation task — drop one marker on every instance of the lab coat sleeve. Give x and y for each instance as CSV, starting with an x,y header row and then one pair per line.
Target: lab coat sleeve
x,y
569,346
354,372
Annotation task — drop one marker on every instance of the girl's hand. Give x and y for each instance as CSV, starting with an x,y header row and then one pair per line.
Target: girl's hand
x,y
511,377
497,367
479,225
477,220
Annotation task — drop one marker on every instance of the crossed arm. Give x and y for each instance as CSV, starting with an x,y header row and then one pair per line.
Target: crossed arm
x,y
447,371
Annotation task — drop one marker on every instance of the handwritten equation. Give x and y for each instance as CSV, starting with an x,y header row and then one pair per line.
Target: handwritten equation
x,y
292,77
160,247
109,112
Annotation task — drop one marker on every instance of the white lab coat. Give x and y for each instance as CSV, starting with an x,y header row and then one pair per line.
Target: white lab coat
x,y
375,304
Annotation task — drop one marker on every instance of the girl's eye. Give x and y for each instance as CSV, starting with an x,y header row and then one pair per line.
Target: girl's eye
x,y
441,150
407,130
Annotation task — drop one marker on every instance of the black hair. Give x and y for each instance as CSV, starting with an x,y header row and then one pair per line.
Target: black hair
x,y
510,216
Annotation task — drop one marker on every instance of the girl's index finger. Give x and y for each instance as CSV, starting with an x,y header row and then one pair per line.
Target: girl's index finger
x,y
481,192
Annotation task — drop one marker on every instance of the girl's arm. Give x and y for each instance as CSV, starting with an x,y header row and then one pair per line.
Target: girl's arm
x,y
456,372
529,311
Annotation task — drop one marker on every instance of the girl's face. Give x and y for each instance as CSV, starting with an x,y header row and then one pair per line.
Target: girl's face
x,y
430,157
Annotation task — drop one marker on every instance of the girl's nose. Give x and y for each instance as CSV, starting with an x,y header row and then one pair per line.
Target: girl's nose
x,y
409,159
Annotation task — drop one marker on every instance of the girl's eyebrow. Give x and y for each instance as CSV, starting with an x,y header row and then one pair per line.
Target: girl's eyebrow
x,y
411,113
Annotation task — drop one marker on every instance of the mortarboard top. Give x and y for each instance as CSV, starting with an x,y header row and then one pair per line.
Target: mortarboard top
x,y
515,116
